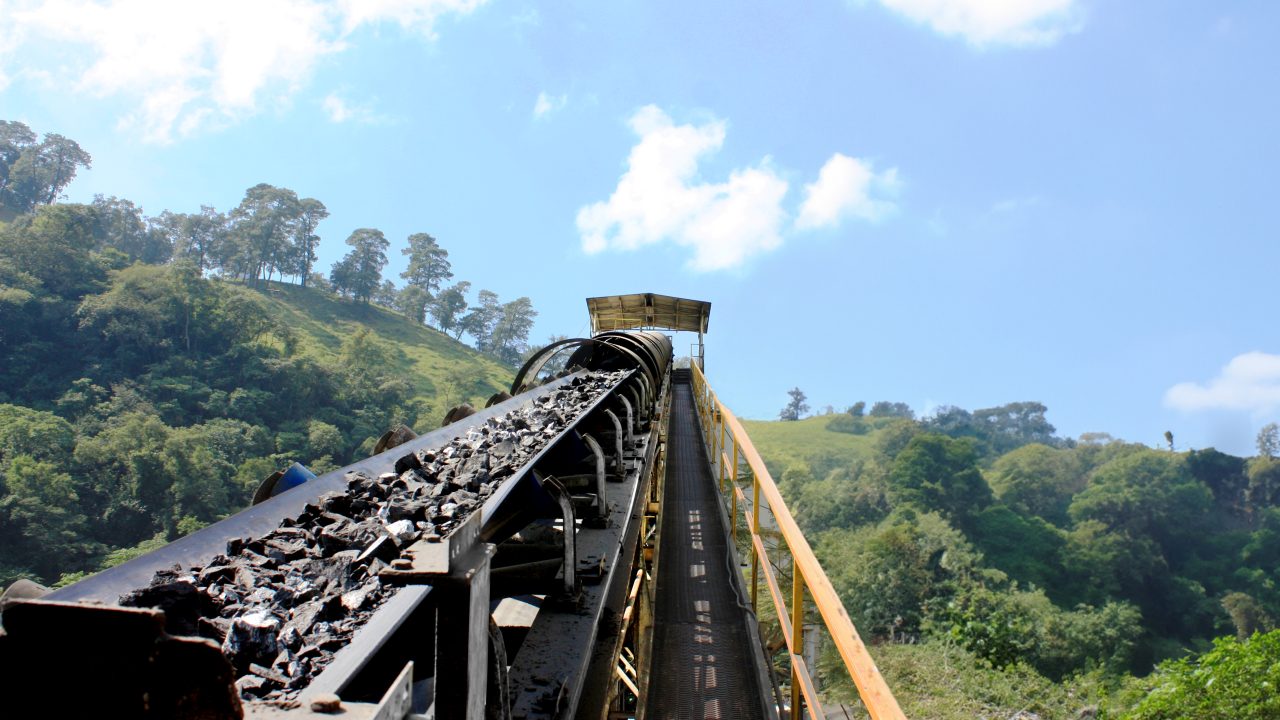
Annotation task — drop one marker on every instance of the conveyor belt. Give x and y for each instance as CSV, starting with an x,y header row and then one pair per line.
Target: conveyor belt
x,y
702,664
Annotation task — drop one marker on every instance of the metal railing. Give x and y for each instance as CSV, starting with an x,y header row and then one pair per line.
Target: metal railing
x,y
728,444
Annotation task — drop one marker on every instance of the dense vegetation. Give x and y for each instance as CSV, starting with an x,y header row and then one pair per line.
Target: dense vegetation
x,y
1030,572
154,369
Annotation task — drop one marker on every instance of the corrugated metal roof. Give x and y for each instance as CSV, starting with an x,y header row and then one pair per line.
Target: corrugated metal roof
x,y
647,310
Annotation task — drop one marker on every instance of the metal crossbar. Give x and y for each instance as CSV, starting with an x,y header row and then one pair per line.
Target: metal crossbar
x,y
725,439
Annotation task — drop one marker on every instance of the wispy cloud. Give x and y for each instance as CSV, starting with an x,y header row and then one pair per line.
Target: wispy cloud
x,y
419,15
342,110
663,198
985,23
547,104
191,66
1015,204
1249,382
847,188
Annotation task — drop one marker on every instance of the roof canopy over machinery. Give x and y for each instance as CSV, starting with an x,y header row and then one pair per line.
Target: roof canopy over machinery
x,y
649,311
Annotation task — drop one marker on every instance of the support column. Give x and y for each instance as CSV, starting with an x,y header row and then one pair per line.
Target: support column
x,y
462,648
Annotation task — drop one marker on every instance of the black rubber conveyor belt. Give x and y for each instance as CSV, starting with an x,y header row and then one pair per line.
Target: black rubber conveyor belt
x,y
702,664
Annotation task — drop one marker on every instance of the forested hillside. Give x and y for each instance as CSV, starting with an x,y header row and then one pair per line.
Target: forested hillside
x,y
1000,568
152,371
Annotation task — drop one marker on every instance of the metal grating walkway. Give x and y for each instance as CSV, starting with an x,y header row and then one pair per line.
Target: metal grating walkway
x,y
702,666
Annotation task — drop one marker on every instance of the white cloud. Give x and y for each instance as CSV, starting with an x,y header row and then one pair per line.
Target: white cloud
x,y
984,23
1250,382
189,66
418,15
663,198
547,104
341,110
845,189
660,198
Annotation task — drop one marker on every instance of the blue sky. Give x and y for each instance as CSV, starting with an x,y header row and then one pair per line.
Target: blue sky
x,y
965,202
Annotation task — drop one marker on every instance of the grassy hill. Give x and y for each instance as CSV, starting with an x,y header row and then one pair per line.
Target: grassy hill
x,y
783,443
442,370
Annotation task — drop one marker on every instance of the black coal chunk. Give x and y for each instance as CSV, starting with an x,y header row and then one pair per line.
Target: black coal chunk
x,y
181,600
252,639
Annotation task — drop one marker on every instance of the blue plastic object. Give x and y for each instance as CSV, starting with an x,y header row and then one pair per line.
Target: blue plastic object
x,y
292,478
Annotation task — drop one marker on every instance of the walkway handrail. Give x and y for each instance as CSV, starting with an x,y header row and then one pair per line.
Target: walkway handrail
x,y
720,428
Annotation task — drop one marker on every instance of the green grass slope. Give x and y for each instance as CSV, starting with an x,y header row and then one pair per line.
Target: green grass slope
x,y
442,370
783,443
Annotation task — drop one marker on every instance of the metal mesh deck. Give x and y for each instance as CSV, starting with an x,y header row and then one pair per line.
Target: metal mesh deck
x,y
702,667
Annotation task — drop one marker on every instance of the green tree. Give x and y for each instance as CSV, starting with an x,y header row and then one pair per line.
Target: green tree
x,y
370,385
15,137
449,306
510,336
1037,480
127,482
386,295
847,497
41,171
1146,494
858,409
150,311
1016,424
796,407
884,408
262,229
479,322
1260,560
1223,474
1236,680
325,439
40,436
200,478
42,508
888,574
1248,615
428,268
305,241
54,246
411,300
1005,627
360,270
894,436
122,227
1101,563
935,472
1269,440
197,237
1022,547
1264,482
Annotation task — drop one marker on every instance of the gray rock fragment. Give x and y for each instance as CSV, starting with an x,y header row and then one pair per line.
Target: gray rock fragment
x,y
252,639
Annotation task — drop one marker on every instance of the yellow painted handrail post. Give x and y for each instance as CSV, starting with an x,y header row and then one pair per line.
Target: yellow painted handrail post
x,y
722,469
733,513
706,414
704,391
714,434
755,532
797,635
720,450
735,455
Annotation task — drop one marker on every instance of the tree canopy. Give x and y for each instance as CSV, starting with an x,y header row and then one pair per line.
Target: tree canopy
x,y
35,173
796,407
150,377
